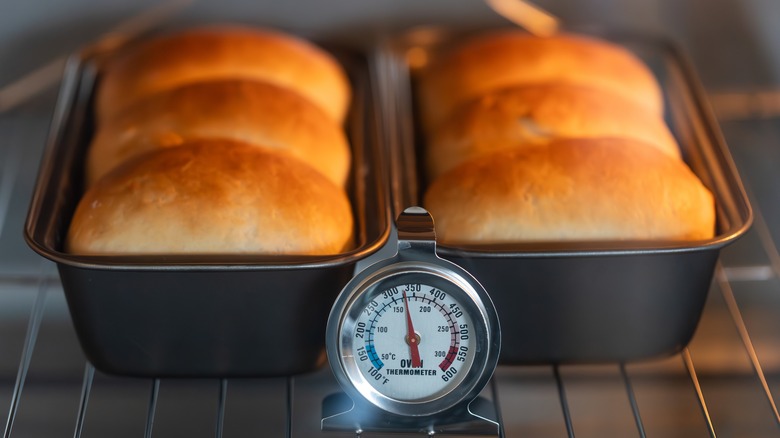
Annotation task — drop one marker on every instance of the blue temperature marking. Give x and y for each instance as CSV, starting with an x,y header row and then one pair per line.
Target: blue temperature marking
x,y
374,357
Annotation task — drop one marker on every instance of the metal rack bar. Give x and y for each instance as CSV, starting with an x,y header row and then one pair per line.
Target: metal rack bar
x,y
223,384
290,400
686,357
33,326
152,408
86,389
739,322
759,224
632,400
564,401
497,404
746,105
763,232
8,178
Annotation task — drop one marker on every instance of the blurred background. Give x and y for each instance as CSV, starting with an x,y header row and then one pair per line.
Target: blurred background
x,y
733,42
723,385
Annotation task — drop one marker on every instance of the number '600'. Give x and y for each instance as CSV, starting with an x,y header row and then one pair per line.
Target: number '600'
x,y
450,373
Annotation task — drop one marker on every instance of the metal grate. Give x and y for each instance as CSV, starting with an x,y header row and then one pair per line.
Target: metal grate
x,y
728,391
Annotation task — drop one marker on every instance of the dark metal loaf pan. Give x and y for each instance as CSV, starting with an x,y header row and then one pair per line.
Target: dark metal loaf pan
x,y
589,301
200,315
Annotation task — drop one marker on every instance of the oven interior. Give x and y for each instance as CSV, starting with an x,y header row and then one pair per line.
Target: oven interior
x,y
722,384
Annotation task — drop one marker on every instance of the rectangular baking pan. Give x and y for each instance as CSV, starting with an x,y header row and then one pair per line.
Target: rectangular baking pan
x,y
200,315
583,302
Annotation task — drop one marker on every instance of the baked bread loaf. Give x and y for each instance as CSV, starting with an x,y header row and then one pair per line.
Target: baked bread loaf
x,y
254,112
212,196
521,116
512,57
584,189
209,53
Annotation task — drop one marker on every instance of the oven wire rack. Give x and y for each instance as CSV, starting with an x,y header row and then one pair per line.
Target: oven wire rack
x,y
728,390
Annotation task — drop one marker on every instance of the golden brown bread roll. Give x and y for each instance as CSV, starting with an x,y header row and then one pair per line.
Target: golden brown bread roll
x,y
244,110
212,196
530,115
586,190
209,53
512,57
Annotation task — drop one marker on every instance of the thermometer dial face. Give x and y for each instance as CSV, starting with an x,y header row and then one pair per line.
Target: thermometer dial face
x,y
413,341
413,338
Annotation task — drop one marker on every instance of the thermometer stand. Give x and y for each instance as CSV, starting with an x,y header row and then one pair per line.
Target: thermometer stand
x,y
468,339
340,413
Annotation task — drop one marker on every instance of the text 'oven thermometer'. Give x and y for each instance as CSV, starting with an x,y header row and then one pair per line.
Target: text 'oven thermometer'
x,y
413,340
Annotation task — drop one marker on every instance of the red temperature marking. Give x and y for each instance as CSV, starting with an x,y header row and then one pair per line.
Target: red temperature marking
x,y
447,362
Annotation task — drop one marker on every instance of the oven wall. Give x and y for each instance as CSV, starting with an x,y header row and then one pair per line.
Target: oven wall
x,y
723,35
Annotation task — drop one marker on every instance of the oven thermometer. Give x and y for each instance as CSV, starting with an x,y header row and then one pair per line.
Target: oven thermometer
x,y
412,340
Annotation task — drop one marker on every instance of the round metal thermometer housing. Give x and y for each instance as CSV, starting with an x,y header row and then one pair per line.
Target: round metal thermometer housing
x,y
414,334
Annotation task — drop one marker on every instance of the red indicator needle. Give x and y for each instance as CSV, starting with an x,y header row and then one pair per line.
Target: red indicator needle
x,y
411,337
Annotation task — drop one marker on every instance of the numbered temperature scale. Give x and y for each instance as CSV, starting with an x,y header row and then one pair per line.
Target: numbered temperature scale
x,y
413,340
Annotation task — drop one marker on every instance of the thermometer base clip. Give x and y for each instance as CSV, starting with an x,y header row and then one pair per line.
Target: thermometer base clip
x,y
341,414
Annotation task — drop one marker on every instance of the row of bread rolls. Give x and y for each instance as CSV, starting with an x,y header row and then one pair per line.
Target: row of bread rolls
x,y
549,139
217,140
